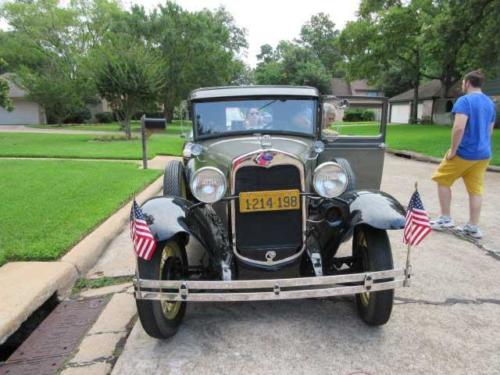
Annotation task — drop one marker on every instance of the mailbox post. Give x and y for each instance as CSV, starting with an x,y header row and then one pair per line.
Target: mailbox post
x,y
143,139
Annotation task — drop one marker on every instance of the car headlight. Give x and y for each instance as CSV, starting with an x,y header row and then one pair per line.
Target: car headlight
x,y
330,180
208,184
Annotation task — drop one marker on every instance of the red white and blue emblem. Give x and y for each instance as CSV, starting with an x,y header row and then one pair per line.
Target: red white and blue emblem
x,y
264,158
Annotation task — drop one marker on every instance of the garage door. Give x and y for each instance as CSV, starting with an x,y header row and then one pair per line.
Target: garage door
x,y
24,113
400,113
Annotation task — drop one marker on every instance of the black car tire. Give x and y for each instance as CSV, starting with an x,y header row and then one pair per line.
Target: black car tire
x,y
372,248
351,178
174,180
160,319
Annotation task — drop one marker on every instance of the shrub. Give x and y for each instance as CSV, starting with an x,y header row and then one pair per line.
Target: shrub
x,y
77,117
105,117
113,138
358,114
426,120
368,115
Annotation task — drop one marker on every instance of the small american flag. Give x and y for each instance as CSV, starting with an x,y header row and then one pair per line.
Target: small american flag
x,y
143,239
417,225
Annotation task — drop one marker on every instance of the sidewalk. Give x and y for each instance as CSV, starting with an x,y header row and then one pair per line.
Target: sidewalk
x,y
27,129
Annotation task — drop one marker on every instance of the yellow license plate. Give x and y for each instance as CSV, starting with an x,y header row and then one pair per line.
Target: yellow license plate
x,y
273,200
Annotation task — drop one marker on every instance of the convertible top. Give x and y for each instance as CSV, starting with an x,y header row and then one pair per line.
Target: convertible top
x,y
235,91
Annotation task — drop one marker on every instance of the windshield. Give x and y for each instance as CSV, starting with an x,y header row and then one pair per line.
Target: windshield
x,y
255,115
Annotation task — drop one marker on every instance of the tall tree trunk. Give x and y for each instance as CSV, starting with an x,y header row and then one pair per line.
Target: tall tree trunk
x,y
127,129
414,106
168,112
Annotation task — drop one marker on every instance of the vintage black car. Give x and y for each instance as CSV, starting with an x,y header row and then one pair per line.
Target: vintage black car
x,y
269,197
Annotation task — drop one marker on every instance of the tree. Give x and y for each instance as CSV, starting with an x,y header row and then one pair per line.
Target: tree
x,y
291,64
48,46
463,36
319,35
128,75
388,41
422,39
312,59
5,101
198,48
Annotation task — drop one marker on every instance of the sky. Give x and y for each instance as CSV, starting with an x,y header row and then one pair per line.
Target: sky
x,y
269,21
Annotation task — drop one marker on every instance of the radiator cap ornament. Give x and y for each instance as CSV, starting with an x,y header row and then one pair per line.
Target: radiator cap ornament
x,y
270,255
264,158
266,141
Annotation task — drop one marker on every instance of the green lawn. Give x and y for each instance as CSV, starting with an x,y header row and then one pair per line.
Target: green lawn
x,y
432,140
48,206
85,146
173,128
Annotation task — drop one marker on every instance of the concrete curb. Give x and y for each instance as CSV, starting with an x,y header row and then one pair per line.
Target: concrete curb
x,y
428,159
25,286
85,254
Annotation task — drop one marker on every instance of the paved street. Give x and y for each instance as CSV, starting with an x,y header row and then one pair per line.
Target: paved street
x,y
446,323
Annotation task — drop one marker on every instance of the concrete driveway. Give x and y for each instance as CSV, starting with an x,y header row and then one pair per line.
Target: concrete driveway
x,y
27,129
447,322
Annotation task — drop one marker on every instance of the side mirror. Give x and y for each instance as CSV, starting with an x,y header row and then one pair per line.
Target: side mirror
x,y
344,103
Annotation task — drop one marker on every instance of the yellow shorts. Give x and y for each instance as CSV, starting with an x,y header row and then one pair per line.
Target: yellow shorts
x,y
472,171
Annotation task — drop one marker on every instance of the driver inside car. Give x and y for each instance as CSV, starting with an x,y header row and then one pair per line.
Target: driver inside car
x,y
253,119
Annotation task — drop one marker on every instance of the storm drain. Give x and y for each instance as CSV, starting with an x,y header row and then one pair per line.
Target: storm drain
x,y
46,349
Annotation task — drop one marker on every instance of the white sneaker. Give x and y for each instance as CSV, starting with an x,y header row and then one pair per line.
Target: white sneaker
x,y
470,230
442,222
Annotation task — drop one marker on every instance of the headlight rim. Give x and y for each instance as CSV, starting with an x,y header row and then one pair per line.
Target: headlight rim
x,y
197,172
326,164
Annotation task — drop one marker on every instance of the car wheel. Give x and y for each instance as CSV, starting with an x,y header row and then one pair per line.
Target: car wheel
x,y
174,181
351,178
372,249
161,319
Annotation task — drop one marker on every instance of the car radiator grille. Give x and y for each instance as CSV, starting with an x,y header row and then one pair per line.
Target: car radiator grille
x,y
260,232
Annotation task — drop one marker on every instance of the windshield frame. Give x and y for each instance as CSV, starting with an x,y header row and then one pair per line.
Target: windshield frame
x,y
312,135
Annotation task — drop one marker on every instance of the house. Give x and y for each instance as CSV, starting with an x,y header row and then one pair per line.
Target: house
x,y
101,105
492,89
26,111
342,88
432,108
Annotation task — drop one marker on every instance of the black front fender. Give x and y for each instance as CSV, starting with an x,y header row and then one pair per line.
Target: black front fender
x,y
339,216
166,217
170,217
374,208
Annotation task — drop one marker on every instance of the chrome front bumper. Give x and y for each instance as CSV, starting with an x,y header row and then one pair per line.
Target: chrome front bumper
x,y
273,289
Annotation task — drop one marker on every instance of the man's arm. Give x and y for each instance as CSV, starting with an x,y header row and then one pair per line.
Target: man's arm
x,y
457,134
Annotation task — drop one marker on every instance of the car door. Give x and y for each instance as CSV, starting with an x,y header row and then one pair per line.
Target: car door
x,y
360,142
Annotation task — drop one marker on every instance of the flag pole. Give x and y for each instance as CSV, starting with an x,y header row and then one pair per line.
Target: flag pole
x,y
407,268
408,256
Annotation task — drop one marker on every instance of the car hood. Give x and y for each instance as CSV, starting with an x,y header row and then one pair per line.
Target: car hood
x,y
222,152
